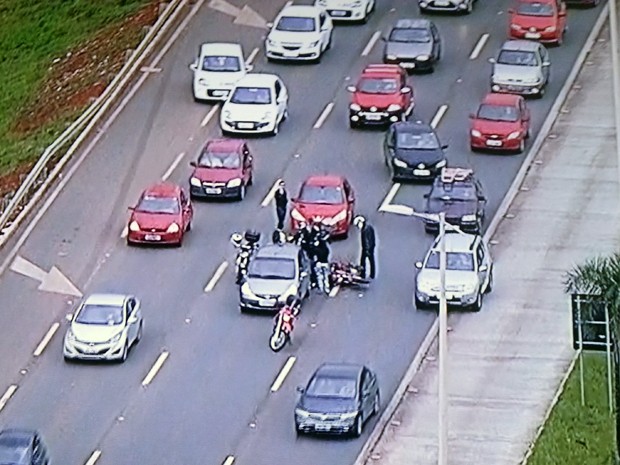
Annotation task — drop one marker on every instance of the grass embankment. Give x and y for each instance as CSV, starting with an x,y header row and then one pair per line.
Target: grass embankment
x,y
56,55
576,434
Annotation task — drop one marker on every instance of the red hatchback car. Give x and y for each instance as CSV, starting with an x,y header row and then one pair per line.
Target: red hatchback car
x,y
541,20
381,96
223,169
162,216
502,122
327,199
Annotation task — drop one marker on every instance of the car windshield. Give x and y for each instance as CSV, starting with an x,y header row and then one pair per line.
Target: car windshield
x,y
165,205
251,95
108,315
498,113
296,24
331,195
221,64
457,261
424,141
378,86
415,35
454,193
535,9
517,57
322,386
272,268
223,160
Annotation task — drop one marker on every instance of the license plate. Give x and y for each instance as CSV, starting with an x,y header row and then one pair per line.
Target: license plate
x,y
245,125
532,35
338,13
323,427
407,65
265,303
373,117
220,93
213,190
494,143
290,54
152,237
421,172
442,3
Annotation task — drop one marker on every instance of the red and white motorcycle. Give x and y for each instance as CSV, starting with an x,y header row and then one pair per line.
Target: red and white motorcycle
x,y
284,325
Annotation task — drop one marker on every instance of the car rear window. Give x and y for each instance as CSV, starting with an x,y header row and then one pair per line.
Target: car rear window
x,y
296,24
331,195
498,113
323,386
272,268
535,9
378,85
221,64
165,205
415,35
457,261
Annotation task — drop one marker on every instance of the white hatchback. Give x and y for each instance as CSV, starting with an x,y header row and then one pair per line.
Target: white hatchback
x,y
257,105
300,33
216,70
348,10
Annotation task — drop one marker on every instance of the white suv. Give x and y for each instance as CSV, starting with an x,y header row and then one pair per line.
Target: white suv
x,y
469,272
216,70
348,10
299,33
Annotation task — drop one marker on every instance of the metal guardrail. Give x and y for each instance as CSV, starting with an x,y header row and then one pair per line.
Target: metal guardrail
x,y
44,171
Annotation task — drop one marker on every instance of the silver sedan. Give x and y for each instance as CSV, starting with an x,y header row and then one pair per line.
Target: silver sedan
x,y
104,327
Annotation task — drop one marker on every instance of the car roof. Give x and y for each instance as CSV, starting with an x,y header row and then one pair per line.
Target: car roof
x,y
106,299
501,99
414,127
412,23
221,48
162,189
300,10
224,145
324,180
522,45
382,70
257,80
278,251
339,370
456,242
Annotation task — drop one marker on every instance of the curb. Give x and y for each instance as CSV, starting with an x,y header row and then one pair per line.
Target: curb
x,y
398,396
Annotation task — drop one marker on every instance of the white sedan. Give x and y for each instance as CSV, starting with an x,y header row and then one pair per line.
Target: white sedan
x,y
257,105
299,33
104,327
348,10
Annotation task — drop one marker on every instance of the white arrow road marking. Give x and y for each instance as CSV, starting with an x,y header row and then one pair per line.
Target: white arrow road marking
x,y
93,458
399,209
7,395
277,384
252,56
155,369
224,7
229,460
269,197
326,111
216,277
172,167
437,118
208,116
248,17
46,339
371,43
389,197
475,53
52,281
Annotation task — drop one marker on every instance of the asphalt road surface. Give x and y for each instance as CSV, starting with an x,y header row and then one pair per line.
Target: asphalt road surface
x,y
213,398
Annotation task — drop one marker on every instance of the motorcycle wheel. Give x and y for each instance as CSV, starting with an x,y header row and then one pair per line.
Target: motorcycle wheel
x,y
277,343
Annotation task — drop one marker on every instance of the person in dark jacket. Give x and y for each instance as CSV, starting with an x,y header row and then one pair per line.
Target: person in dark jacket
x,y
321,261
367,236
281,201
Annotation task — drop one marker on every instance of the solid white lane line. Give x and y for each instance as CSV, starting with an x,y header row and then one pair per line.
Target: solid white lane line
x,y
93,458
252,56
371,43
437,118
216,277
7,395
231,458
208,116
283,374
334,291
124,232
269,197
326,111
479,46
390,196
155,369
172,167
46,339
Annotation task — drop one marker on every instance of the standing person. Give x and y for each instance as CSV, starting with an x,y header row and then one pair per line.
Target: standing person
x,y
367,236
321,254
281,200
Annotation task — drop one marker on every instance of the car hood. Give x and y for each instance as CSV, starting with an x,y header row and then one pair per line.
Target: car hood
x,y
294,37
327,404
515,72
454,209
216,174
155,221
312,211
263,287
502,128
453,278
408,50
376,100
95,333
243,112
538,22
214,78
413,157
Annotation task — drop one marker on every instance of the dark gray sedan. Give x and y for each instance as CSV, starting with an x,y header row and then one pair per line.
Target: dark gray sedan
x,y
414,44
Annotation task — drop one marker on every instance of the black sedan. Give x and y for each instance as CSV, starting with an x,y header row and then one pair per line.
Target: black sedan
x,y
413,151
414,44
22,447
339,398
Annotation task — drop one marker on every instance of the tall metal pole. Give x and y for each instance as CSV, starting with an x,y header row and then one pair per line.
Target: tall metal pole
x,y
615,67
609,372
443,346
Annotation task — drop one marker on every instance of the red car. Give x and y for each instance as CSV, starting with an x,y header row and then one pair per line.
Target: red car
x,y
327,199
223,169
381,96
502,122
162,216
541,20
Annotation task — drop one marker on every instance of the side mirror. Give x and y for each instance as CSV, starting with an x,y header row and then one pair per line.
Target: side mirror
x,y
303,274
445,146
426,196
193,163
492,60
511,11
269,25
131,208
351,89
193,66
418,265
351,199
562,13
405,90
472,115
133,319
482,198
300,389
383,39
546,63
483,268
249,68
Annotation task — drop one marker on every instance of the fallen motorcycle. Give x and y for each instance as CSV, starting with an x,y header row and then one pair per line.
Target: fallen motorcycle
x,y
346,274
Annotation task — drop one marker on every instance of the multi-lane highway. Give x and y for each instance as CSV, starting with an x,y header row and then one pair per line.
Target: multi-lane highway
x,y
214,396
